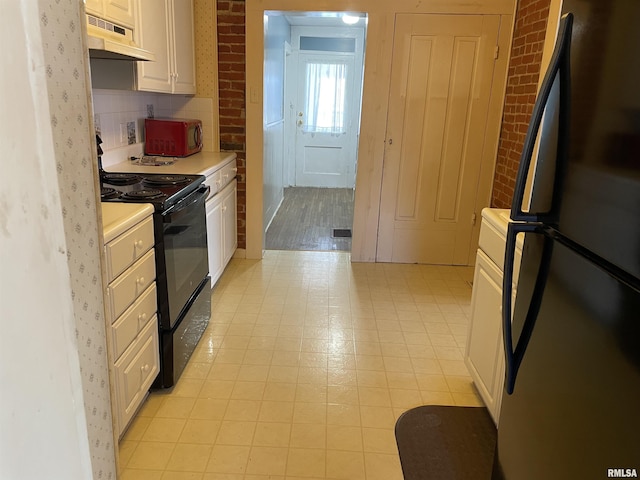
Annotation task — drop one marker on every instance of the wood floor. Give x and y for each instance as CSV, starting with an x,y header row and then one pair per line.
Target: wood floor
x,y
307,217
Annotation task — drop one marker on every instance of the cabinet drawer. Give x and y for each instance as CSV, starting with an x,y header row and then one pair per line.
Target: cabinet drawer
x,y
124,250
123,291
135,371
214,181
228,173
126,328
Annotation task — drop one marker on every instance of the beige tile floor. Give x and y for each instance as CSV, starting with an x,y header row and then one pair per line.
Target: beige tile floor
x,y
306,365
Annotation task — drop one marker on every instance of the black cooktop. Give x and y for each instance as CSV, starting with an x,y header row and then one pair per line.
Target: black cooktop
x,y
161,190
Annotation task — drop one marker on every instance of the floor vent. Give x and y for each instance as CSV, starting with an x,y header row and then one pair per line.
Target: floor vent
x,y
341,233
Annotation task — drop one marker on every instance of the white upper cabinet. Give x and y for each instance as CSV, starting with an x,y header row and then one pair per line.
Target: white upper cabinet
x,y
118,11
166,29
184,49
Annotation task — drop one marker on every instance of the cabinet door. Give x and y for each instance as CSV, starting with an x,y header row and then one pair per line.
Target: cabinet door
x,y
214,237
184,69
152,33
135,371
120,11
229,215
484,355
94,7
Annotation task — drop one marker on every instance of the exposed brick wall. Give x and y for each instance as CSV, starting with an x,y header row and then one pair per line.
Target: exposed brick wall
x,y
522,85
231,78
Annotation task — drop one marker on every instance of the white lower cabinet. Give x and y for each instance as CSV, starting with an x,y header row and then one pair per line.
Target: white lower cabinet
x,y
214,237
484,356
135,371
485,353
229,220
131,305
222,238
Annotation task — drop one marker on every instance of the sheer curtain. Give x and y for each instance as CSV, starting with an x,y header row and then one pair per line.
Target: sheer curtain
x,y
324,110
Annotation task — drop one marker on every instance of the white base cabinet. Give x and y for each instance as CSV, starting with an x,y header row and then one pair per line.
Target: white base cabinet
x,y
484,356
131,306
485,352
222,235
135,371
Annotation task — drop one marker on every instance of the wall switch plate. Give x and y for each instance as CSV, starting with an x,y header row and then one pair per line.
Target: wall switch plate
x,y
150,110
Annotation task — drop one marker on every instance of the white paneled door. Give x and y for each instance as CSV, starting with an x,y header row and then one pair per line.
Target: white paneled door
x,y
442,71
327,120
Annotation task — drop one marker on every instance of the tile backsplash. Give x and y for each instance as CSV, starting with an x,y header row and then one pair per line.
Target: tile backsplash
x,y
114,109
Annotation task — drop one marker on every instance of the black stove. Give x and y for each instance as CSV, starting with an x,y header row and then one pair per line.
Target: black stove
x,y
161,190
183,285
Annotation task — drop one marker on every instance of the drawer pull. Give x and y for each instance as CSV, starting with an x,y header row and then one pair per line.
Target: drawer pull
x,y
139,244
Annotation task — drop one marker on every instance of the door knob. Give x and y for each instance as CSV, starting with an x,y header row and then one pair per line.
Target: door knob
x,y
299,123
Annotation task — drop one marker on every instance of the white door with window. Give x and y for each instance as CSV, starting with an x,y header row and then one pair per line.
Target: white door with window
x,y
441,77
326,121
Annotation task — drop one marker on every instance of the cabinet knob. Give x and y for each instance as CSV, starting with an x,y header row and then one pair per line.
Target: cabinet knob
x,y
235,170
140,280
142,317
139,244
145,368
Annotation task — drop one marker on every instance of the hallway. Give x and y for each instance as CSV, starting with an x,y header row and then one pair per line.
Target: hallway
x,y
307,217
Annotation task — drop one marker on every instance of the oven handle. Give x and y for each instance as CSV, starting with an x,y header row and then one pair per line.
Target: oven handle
x,y
176,211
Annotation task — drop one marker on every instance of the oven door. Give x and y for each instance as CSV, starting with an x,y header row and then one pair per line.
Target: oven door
x,y
185,251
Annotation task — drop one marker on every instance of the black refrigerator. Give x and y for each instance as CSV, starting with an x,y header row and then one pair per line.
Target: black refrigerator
x,y
571,405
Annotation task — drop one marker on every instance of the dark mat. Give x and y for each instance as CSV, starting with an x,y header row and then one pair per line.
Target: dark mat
x,y
446,443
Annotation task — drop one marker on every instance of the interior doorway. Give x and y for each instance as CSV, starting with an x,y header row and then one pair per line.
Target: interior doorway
x,y
313,72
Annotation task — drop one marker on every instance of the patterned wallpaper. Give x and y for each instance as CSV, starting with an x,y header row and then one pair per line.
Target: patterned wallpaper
x,y
206,48
67,82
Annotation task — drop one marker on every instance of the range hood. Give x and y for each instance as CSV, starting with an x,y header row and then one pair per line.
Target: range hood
x,y
112,41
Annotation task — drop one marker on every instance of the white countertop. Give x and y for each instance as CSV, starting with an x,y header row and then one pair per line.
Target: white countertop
x,y
499,219
118,217
203,163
